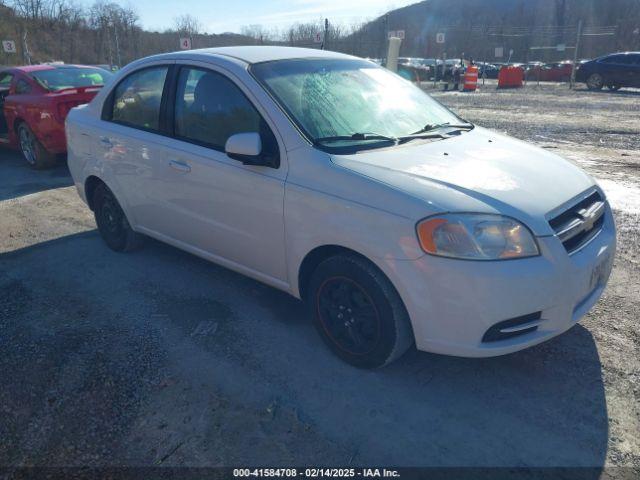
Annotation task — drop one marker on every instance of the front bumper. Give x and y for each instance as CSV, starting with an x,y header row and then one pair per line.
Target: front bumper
x,y
452,303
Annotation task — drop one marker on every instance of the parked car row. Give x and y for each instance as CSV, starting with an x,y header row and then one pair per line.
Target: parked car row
x,y
614,71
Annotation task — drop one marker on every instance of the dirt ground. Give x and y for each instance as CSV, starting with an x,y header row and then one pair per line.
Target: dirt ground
x,y
160,358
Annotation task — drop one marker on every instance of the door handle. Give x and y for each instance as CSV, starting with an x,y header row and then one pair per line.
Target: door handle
x,y
180,166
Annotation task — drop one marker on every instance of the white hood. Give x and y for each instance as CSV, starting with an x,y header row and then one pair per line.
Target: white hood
x,y
477,171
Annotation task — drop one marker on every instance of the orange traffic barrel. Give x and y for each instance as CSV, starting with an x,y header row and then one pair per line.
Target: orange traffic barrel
x,y
470,79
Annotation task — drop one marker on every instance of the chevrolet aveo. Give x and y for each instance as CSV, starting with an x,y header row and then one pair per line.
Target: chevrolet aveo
x,y
332,179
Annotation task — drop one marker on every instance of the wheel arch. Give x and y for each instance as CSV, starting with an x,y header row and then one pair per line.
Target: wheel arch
x,y
316,256
90,184
16,124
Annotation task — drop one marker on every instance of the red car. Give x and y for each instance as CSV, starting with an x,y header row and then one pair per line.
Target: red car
x,y
34,102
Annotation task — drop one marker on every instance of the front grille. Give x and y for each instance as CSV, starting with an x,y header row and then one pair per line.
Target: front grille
x,y
580,223
514,327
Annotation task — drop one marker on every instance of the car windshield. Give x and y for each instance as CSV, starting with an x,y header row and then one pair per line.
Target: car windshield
x,y
69,77
340,101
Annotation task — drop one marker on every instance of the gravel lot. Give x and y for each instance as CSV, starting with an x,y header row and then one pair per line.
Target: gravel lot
x,y
160,358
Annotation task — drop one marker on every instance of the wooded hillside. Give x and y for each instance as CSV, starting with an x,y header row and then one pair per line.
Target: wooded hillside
x,y
532,28
106,33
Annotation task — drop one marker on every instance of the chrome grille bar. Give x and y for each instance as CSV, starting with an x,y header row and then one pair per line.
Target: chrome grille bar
x,y
580,223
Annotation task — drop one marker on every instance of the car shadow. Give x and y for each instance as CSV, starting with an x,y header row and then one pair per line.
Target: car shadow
x,y
19,179
215,330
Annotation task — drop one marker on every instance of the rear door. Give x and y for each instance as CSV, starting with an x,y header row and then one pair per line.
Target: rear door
x,y
130,138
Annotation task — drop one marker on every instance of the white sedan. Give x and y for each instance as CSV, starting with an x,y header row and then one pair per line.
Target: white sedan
x,y
328,177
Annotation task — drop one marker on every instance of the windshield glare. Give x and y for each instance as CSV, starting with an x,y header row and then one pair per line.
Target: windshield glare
x,y
330,98
69,77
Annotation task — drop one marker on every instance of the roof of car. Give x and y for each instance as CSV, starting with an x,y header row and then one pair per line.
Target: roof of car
x,y
620,53
264,53
47,66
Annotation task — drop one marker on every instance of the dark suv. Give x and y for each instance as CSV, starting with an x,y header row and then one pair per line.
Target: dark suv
x,y
614,71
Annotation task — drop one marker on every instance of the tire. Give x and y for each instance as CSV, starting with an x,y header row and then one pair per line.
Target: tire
x,y
613,88
112,222
595,81
357,312
32,150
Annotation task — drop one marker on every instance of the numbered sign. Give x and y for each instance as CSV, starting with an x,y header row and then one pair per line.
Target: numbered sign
x,y
9,46
439,37
318,37
400,34
391,33
185,43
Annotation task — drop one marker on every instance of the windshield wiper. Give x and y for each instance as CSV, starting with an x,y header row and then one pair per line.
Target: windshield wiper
x,y
356,137
438,126
430,131
430,128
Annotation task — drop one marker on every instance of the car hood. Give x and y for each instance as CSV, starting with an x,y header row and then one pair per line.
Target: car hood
x,y
477,171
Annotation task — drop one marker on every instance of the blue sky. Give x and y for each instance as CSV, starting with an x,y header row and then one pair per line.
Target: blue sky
x,y
219,16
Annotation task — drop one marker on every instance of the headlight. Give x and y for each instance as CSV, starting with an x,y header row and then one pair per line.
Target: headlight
x,y
476,237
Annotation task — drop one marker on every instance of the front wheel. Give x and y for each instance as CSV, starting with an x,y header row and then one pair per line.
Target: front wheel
x,y
595,81
32,150
358,312
112,222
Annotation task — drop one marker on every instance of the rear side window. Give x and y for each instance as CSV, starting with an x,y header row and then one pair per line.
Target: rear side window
x,y
210,108
137,99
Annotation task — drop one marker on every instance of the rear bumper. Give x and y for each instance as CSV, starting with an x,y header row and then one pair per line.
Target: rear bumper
x,y
52,136
453,303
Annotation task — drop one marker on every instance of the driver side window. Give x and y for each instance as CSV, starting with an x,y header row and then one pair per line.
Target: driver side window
x,y
22,87
209,108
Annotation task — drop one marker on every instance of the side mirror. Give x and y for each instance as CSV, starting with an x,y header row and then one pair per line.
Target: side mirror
x,y
245,147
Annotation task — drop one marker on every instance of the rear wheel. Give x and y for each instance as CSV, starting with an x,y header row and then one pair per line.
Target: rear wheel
x,y
112,222
595,81
358,312
32,150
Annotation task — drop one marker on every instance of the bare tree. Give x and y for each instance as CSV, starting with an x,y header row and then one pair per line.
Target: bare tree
x,y
112,24
31,9
187,25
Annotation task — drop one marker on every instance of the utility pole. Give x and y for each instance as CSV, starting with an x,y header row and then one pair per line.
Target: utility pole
x,y
115,33
26,55
575,56
326,34
385,28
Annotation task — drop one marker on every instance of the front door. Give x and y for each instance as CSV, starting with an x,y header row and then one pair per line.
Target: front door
x,y
634,70
212,202
5,83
